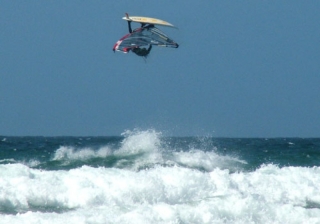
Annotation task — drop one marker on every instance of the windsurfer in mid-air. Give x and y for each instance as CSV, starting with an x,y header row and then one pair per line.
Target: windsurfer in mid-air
x,y
137,50
141,40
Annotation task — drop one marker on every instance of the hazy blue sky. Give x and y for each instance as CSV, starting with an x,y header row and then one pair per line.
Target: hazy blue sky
x,y
243,69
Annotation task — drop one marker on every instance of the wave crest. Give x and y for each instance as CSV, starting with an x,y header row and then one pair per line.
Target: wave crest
x,y
70,153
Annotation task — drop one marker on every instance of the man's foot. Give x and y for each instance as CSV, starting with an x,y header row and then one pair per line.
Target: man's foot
x,y
127,16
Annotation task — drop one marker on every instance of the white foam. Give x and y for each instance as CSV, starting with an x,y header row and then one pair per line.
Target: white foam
x,y
206,160
134,143
7,161
197,187
159,195
70,153
137,142
33,163
138,149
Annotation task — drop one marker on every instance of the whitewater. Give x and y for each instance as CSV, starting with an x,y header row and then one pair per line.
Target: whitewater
x,y
144,177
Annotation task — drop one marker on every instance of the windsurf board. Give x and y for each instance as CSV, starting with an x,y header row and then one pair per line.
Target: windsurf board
x,y
147,20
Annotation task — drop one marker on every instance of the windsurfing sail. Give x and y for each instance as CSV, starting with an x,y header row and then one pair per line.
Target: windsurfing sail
x,y
143,37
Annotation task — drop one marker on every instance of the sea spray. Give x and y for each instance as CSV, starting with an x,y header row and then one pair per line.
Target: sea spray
x,y
145,177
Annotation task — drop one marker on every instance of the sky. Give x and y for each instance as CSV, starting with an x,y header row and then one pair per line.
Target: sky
x,y
242,69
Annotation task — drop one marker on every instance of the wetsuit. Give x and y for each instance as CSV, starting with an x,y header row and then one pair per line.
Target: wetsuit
x,y
141,51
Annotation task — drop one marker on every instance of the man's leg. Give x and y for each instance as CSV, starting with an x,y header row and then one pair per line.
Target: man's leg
x,y
129,26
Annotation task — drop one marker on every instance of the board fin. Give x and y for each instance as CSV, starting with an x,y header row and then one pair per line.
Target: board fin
x,y
127,16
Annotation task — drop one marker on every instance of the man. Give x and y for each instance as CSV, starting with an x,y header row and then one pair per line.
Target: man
x,y
137,50
142,51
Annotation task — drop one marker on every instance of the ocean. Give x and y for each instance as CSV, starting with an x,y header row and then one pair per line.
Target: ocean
x,y
143,176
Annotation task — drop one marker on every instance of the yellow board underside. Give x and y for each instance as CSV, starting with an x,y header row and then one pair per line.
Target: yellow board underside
x,y
148,20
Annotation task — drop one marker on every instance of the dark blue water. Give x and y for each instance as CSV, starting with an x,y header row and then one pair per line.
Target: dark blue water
x,y
254,151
